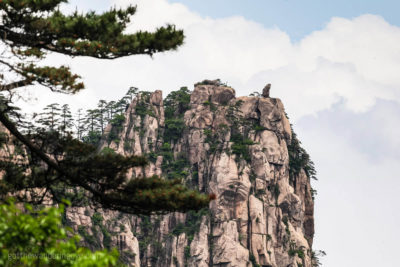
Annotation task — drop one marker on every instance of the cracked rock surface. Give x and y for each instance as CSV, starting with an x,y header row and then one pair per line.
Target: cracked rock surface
x,y
234,147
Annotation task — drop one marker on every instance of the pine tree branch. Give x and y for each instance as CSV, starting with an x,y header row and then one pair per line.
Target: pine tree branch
x,y
50,162
124,197
14,131
31,28
15,85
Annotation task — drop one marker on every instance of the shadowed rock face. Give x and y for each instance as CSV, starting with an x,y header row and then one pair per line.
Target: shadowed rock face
x,y
235,148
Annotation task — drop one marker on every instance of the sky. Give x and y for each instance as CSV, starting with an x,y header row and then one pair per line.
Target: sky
x,y
334,64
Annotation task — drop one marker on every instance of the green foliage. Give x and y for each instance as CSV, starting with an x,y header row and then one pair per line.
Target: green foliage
x,y
177,102
285,221
118,120
175,106
36,238
299,159
3,139
50,117
315,257
210,104
91,34
97,218
241,237
59,79
31,29
174,128
143,107
176,169
158,194
107,150
152,156
259,193
209,82
106,237
313,193
253,260
258,128
214,137
274,188
187,252
300,253
89,239
191,225
92,138
148,235
240,146
293,250
234,115
82,166
166,152
66,120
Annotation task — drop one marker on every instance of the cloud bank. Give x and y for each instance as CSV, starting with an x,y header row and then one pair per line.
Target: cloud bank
x,y
357,60
352,60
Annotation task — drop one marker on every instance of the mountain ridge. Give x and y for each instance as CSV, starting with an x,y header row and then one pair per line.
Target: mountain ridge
x,y
233,147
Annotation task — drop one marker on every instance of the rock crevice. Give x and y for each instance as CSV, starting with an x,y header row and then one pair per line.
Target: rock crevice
x,y
234,147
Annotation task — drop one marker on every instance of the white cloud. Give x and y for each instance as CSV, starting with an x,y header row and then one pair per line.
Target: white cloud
x,y
358,185
357,60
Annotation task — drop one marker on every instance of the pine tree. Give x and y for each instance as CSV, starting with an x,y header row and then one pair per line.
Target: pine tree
x,y
79,124
93,127
120,106
66,120
132,92
110,110
30,29
101,115
50,117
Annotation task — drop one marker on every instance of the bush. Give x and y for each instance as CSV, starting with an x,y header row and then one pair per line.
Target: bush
x,y
107,150
118,120
173,129
36,238
175,105
97,219
253,260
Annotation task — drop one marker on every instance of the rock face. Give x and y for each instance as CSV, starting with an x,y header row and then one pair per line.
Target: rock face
x,y
234,147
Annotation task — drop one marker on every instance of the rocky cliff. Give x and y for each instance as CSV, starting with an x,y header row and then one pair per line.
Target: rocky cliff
x,y
234,147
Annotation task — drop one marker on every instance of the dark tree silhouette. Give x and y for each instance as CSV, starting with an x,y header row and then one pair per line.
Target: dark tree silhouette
x,y
48,163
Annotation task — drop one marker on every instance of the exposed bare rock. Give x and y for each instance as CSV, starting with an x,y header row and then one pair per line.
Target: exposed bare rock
x,y
234,147
79,216
199,248
265,92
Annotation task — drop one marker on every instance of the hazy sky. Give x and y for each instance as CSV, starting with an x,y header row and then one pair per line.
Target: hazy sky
x,y
335,65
